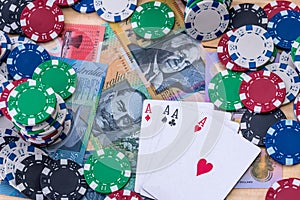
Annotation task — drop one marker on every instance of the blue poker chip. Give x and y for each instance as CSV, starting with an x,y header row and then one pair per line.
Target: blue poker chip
x,y
23,60
279,27
84,6
283,142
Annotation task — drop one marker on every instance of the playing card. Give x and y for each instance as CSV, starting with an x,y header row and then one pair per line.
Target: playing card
x,y
209,172
154,145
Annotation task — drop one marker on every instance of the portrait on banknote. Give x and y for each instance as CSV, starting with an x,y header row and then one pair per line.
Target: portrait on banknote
x,y
174,62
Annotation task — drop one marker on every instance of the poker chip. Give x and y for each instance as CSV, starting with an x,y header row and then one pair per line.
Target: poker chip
x,y
278,135
278,28
13,158
284,57
5,45
107,171
3,71
84,6
295,46
250,46
290,78
65,3
223,90
275,7
20,99
274,55
224,56
7,21
262,91
4,96
123,195
296,107
64,75
64,180
17,40
247,14
120,10
297,59
4,140
28,173
284,189
152,20
206,20
254,126
42,21
18,64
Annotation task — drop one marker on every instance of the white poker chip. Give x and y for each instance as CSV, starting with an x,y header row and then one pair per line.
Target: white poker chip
x,y
290,78
115,10
250,46
206,20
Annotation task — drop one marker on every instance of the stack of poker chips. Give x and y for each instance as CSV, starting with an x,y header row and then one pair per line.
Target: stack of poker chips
x,y
32,172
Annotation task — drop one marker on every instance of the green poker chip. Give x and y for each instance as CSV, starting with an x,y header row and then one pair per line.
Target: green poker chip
x,y
223,90
295,46
107,171
152,20
31,103
58,75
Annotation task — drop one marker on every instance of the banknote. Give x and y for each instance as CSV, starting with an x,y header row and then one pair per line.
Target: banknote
x,y
172,68
78,41
82,105
264,171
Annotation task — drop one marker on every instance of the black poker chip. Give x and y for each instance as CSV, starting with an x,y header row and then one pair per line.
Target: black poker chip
x,y
7,139
254,126
28,175
10,11
63,180
247,14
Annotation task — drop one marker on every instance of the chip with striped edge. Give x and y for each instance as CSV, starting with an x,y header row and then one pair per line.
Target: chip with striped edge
x,y
206,20
152,20
223,90
278,135
64,75
284,189
250,46
63,180
262,91
115,11
20,99
123,195
107,171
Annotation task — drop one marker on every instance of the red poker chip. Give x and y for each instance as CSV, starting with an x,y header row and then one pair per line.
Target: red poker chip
x,y
297,107
42,21
5,93
284,189
123,195
65,3
275,7
262,91
224,56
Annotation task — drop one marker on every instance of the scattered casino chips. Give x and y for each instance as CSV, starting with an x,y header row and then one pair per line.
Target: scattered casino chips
x,y
262,91
223,90
107,171
278,28
18,64
224,56
250,46
206,20
84,6
120,10
247,14
63,179
275,7
278,136
290,78
152,20
284,189
255,126
42,21
28,172
63,74
22,96
123,195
